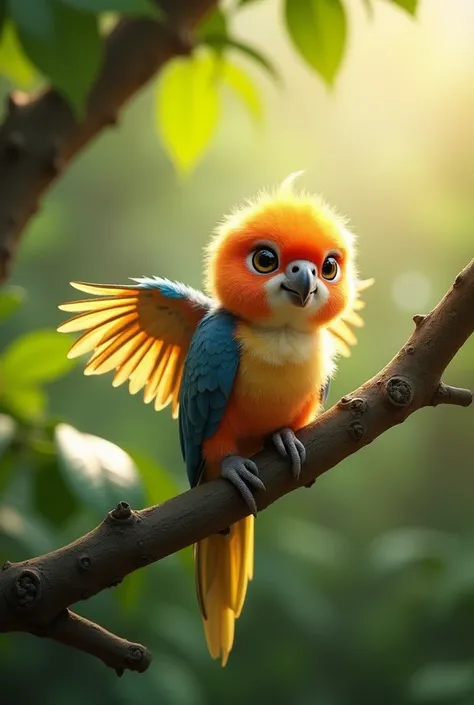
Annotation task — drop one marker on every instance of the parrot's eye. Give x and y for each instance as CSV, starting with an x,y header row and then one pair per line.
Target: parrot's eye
x,y
265,260
330,268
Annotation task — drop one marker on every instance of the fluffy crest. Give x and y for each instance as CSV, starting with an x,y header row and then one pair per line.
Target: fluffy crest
x,y
286,186
269,205
300,225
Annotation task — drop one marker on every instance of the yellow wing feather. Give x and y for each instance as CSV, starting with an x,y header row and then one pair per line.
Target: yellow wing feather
x,y
342,335
141,332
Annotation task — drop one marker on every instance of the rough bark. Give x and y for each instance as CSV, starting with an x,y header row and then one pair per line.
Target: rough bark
x,y
40,136
35,595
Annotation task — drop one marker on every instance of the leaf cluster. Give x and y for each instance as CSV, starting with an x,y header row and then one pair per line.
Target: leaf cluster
x,y
56,473
62,42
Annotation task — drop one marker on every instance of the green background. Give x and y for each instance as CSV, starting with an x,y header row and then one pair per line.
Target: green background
x,y
364,585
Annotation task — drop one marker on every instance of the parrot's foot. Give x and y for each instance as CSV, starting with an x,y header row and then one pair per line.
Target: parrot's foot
x,y
288,445
242,472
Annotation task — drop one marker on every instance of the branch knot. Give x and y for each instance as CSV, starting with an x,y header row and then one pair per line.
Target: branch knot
x,y
418,319
122,514
84,563
399,391
135,654
26,590
358,406
356,431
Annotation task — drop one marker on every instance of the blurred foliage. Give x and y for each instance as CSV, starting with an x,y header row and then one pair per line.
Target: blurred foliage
x,y
61,41
364,585
68,470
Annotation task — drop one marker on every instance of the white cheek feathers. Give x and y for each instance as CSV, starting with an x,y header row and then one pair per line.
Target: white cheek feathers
x,y
322,294
281,304
273,289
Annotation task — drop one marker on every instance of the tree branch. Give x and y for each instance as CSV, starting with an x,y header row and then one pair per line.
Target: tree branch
x,y
73,630
40,135
34,593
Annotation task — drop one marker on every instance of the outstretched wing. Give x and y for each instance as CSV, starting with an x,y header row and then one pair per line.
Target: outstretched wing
x,y
342,334
209,373
142,331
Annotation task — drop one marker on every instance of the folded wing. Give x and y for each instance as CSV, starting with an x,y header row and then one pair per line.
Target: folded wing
x,y
142,331
341,331
208,379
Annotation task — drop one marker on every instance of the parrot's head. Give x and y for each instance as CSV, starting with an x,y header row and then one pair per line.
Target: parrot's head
x,y
286,259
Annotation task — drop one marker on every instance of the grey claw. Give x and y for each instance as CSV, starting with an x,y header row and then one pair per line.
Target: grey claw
x,y
242,472
287,444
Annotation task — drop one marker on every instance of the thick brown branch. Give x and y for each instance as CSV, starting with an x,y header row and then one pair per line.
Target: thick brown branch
x,y
40,136
73,630
34,593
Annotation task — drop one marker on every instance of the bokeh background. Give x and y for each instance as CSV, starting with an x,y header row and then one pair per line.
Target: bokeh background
x,y
364,586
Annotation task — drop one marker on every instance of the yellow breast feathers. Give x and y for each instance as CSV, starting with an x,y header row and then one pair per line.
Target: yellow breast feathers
x,y
282,362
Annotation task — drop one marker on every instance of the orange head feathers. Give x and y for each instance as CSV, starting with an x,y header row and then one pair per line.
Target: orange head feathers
x,y
286,259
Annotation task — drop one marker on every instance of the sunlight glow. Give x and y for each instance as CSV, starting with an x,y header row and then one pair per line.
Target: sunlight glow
x,y
411,290
94,460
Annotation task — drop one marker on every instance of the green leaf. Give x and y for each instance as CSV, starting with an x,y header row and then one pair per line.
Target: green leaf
x,y
214,32
214,24
12,297
65,45
98,472
187,108
27,403
409,5
34,358
14,65
243,86
221,42
318,31
52,497
126,7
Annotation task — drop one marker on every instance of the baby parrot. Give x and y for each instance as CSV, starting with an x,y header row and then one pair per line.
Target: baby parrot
x,y
250,361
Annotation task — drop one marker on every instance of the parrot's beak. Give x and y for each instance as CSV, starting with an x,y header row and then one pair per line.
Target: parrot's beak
x,y
300,282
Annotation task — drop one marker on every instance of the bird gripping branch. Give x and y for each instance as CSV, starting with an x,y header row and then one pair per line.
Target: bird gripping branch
x,y
250,361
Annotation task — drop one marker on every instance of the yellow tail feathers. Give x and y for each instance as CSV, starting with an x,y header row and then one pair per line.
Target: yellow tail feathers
x,y
224,565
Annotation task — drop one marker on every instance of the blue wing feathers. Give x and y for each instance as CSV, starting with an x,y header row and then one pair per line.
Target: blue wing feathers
x,y
209,372
174,290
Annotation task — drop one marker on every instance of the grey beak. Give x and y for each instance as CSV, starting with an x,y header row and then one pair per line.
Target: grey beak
x,y
300,283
